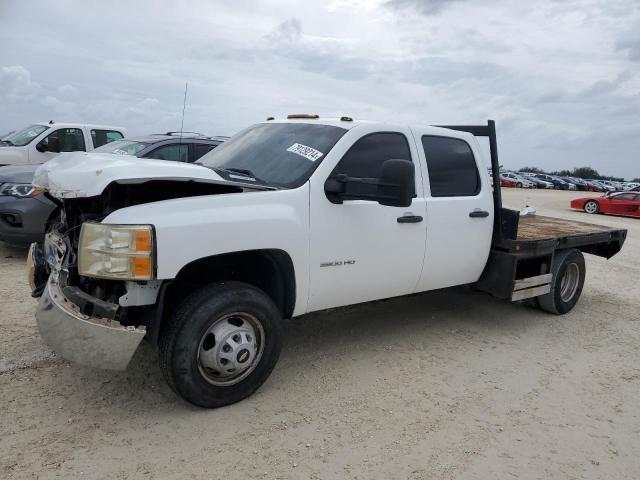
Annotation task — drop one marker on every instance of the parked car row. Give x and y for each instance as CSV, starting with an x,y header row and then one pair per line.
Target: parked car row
x,y
25,211
543,180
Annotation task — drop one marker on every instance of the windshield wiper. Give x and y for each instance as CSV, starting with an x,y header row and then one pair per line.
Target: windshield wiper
x,y
244,173
8,142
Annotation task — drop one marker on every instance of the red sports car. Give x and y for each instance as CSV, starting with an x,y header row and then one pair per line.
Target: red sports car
x,y
616,203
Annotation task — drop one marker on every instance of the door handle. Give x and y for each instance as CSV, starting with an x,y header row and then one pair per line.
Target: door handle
x,y
410,219
478,214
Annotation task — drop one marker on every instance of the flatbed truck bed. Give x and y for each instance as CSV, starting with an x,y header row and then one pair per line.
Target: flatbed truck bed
x,y
538,227
519,265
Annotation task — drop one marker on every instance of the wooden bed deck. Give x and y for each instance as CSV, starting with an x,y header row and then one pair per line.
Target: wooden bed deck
x,y
537,227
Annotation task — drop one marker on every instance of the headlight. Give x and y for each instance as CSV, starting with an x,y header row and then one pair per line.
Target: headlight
x,y
19,190
123,252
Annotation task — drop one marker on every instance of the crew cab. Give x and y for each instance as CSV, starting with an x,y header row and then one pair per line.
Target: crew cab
x,y
40,142
287,217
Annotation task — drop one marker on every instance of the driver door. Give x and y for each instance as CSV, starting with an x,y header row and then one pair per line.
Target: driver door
x,y
58,141
361,250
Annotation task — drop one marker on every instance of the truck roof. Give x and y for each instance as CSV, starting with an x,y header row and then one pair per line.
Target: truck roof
x,y
348,123
80,124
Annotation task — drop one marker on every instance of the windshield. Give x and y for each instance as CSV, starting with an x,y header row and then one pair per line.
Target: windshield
x,y
279,154
24,136
122,147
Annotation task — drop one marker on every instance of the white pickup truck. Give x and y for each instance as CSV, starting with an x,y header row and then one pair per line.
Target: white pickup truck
x,y
287,217
41,142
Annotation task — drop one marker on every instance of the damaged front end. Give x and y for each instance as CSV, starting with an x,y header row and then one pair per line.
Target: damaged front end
x,y
96,311
77,325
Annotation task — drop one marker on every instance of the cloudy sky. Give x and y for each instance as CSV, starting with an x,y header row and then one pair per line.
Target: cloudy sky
x,y
560,77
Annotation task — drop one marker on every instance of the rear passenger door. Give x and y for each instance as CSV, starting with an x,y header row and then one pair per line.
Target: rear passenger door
x,y
459,208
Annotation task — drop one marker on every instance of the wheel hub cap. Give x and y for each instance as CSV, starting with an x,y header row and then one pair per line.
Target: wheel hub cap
x,y
569,283
230,349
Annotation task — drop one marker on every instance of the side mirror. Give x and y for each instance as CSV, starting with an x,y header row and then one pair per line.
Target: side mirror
x,y
41,147
54,144
397,183
394,188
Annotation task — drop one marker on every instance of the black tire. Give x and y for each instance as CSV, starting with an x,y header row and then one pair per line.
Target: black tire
x,y
564,261
180,342
519,185
594,206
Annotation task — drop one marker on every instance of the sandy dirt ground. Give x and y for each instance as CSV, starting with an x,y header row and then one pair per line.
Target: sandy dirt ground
x,y
440,385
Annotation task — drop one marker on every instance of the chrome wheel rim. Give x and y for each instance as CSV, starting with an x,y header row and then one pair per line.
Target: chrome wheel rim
x,y
569,283
591,207
230,349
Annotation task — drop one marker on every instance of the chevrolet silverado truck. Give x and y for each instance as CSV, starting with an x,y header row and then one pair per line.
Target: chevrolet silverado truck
x,y
287,217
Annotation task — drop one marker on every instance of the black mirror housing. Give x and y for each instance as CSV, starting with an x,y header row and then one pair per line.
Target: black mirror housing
x,y
41,147
394,188
397,183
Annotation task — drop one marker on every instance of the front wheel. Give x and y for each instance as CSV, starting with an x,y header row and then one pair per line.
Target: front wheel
x,y
568,273
519,185
591,206
221,344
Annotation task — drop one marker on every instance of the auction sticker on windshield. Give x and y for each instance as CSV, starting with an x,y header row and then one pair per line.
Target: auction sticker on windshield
x,y
304,151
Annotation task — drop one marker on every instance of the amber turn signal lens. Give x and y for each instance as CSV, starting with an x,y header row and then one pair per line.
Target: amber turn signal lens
x,y
141,267
142,239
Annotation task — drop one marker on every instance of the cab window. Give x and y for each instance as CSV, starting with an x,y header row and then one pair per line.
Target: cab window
x,y
365,158
102,137
64,140
452,167
200,149
178,152
624,196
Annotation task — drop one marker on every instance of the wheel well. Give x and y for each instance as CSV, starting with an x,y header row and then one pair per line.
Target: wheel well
x,y
269,270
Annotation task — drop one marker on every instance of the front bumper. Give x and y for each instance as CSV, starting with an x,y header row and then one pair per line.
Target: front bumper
x,y
83,339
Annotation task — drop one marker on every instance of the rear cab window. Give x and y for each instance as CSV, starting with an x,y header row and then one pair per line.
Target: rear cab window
x,y
452,168
102,137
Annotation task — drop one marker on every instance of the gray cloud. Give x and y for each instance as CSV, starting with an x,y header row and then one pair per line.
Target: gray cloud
x,y
632,48
425,7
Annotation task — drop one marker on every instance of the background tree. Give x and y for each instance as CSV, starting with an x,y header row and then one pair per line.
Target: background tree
x,y
586,172
531,169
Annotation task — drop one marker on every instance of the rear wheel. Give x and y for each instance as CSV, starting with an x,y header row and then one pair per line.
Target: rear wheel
x,y
591,206
568,273
221,344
